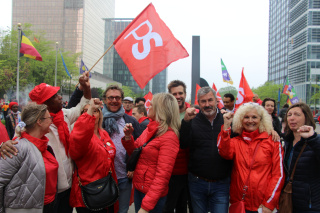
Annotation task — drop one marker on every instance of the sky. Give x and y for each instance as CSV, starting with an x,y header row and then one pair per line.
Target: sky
x,y
232,30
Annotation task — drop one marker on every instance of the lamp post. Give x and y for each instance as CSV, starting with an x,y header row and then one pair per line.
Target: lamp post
x,y
55,73
18,64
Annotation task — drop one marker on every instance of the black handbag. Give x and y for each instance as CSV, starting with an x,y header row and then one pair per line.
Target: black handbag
x,y
134,157
99,194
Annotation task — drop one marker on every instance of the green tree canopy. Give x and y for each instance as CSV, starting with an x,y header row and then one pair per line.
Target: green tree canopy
x,y
270,90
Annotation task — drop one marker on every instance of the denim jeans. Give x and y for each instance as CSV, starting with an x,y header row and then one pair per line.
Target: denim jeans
x,y
138,196
125,187
209,196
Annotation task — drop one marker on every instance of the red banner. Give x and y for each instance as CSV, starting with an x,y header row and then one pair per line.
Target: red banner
x,y
244,93
196,98
148,98
220,101
147,46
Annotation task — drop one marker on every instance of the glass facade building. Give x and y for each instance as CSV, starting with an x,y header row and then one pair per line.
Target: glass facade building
x,y
115,68
76,24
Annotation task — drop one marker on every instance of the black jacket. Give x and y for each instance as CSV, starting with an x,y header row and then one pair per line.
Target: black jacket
x,y
201,138
135,124
276,124
306,179
9,127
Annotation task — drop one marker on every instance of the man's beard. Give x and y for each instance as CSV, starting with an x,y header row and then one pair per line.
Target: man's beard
x,y
182,105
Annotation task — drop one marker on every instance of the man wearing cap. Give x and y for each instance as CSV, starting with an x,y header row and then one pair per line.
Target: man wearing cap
x,y
128,105
59,134
12,119
114,120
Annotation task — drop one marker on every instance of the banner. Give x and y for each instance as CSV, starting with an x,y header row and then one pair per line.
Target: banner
x,y
148,98
244,93
196,97
220,101
65,66
27,49
147,46
84,68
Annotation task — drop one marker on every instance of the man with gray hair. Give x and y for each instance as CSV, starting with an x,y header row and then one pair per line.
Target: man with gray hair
x,y
209,173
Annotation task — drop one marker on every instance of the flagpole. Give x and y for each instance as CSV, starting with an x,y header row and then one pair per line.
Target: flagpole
x,y
98,60
18,64
56,68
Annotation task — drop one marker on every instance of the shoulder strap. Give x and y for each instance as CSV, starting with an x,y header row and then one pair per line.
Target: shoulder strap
x,y
153,137
295,165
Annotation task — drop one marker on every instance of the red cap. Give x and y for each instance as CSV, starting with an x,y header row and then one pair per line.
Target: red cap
x,y
42,92
12,103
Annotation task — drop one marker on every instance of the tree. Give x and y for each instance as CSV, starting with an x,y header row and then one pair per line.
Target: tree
x,y
32,71
270,90
229,89
128,92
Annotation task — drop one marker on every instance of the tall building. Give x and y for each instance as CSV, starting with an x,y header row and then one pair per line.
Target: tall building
x,y
76,24
303,44
115,68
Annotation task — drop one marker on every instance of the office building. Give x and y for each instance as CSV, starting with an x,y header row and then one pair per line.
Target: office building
x,y
115,68
76,24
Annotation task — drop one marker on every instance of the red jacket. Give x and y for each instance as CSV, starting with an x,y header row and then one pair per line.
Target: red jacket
x,y
267,176
93,156
154,167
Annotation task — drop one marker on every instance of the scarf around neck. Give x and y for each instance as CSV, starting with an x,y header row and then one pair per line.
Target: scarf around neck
x,y
110,119
151,130
63,129
41,144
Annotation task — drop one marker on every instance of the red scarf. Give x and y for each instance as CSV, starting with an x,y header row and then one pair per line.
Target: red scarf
x,y
151,130
63,129
41,144
249,136
142,119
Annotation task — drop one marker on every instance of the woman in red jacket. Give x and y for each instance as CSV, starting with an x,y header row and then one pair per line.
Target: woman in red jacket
x,y
92,151
153,171
265,181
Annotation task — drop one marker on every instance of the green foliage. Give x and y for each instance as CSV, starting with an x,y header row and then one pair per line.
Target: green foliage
x,y
229,89
270,90
316,95
32,71
128,92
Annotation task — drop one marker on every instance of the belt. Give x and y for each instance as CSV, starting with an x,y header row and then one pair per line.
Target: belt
x,y
205,179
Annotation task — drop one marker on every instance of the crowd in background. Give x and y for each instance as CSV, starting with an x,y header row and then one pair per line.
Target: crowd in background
x,y
193,159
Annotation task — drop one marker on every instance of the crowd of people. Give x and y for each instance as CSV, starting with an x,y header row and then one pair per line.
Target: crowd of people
x,y
192,159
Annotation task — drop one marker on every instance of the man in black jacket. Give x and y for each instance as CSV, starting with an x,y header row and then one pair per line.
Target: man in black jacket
x,y
114,120
209,173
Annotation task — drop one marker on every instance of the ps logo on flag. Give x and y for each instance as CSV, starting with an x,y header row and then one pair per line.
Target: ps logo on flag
x,y
240,95
146,41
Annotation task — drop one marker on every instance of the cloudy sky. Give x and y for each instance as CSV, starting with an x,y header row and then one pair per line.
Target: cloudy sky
x,y
236,31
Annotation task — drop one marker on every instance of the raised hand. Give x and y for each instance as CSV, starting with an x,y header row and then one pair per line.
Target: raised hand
x,y
306,131
190,114
227,118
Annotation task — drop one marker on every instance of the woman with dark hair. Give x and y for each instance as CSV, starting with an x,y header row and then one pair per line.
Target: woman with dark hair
x,y
270,105
299,131
28,180
153,171
93,152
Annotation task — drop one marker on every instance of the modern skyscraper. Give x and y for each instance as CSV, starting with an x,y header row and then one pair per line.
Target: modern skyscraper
x,y
115,68
76,24
300,35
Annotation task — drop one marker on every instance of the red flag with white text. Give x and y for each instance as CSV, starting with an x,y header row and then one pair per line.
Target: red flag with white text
x,y
196,98
244,93
220,102
147,46
148,98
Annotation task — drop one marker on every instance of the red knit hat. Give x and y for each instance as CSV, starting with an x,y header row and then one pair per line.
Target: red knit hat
x,y
12,103
42,92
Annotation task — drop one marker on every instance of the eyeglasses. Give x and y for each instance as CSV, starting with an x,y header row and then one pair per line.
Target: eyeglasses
x,y
110,98
51,117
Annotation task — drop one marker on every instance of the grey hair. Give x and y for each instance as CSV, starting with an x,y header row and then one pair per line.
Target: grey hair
x,y
265,122
205,90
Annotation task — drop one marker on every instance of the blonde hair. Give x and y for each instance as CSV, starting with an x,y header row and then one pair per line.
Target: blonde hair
x,y
31,113
166,110
265,122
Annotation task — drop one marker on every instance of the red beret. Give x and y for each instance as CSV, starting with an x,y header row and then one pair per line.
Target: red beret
x,y
42,92
13,103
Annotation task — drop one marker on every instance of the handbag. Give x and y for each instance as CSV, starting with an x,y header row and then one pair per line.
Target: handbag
x,y
134,157
285,203
99,194
239,207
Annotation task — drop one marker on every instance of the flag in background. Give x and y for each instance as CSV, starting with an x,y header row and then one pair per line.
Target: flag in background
x,y
225,75
220,101
84,68
147,46
36,40
290,92
196,98
244,93
148,98
27,49
65,66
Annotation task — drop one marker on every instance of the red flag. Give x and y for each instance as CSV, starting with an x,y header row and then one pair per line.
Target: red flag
x,y
36,40
244,93
196,98
148,98
152,44
220,102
